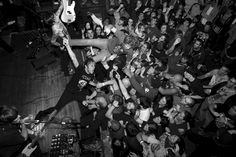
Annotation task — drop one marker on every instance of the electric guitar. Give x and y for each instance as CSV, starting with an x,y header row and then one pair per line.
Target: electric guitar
x,y
68,14
30,148
8,24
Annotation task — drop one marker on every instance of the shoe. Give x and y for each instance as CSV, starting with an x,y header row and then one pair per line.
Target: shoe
x,y
45,114
95,2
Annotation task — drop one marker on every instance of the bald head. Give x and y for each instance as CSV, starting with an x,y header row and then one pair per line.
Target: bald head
x,y
177,78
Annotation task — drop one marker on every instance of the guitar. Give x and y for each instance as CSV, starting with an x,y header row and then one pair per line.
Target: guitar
x,y
30,148
68,14
8,24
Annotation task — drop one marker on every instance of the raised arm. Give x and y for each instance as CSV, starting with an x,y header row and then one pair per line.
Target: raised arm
x,y
122,87
211,73
71,53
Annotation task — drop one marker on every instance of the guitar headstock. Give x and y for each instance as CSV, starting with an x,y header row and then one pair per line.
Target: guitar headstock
x,y
11,22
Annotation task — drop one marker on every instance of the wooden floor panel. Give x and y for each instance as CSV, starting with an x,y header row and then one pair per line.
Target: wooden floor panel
x,y
31,91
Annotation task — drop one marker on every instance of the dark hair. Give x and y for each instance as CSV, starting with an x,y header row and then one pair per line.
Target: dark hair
x,y
8,114
132,129
88,61
115,125
125,20
133,41
118,98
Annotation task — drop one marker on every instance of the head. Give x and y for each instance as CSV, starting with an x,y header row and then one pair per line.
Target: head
x,y
130,105
98,30
232,111
187,100
171,23
118,99
88,25
176,78
164,28
223,71
114,125
89,34
187,22
141,27
173,139
123,21
139,3
101,101
130,42
9,114
207,27
197,45
126,82
166,100
89,66
153,21
231,82
145,47
130,22
141,16
153,14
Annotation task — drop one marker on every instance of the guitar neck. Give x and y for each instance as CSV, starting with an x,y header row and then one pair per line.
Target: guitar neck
x,y
38,136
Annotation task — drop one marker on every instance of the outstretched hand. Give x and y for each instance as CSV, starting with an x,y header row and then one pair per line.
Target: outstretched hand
x,y
65,41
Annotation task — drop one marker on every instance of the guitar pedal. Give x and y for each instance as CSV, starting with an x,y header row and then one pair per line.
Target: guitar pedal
x,y
62,144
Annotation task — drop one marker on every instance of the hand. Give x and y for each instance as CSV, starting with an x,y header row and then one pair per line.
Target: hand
x,y
127,72
131,154
118,76
177,41
135,54
89,13
112,57
121,5
146,127
152,139
65,42
115,103
199,66
185,87
90,107
88,97
99,85
107,29
157,120
85,103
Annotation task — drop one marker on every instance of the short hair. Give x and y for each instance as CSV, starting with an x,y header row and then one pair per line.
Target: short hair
x,y
118,98
8,114
132,129
132,41
88,61
125,20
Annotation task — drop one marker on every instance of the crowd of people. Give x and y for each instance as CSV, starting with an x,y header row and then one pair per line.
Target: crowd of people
x,y
157,79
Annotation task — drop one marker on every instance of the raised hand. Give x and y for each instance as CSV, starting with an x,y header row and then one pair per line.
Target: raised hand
x,y
65,41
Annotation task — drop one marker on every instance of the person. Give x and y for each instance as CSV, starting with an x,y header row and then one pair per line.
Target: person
x,y
77,88
11,136
59,30
206,110
217,76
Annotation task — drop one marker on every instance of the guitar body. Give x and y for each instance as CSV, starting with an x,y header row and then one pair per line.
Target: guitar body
x,y
68,14
27,151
